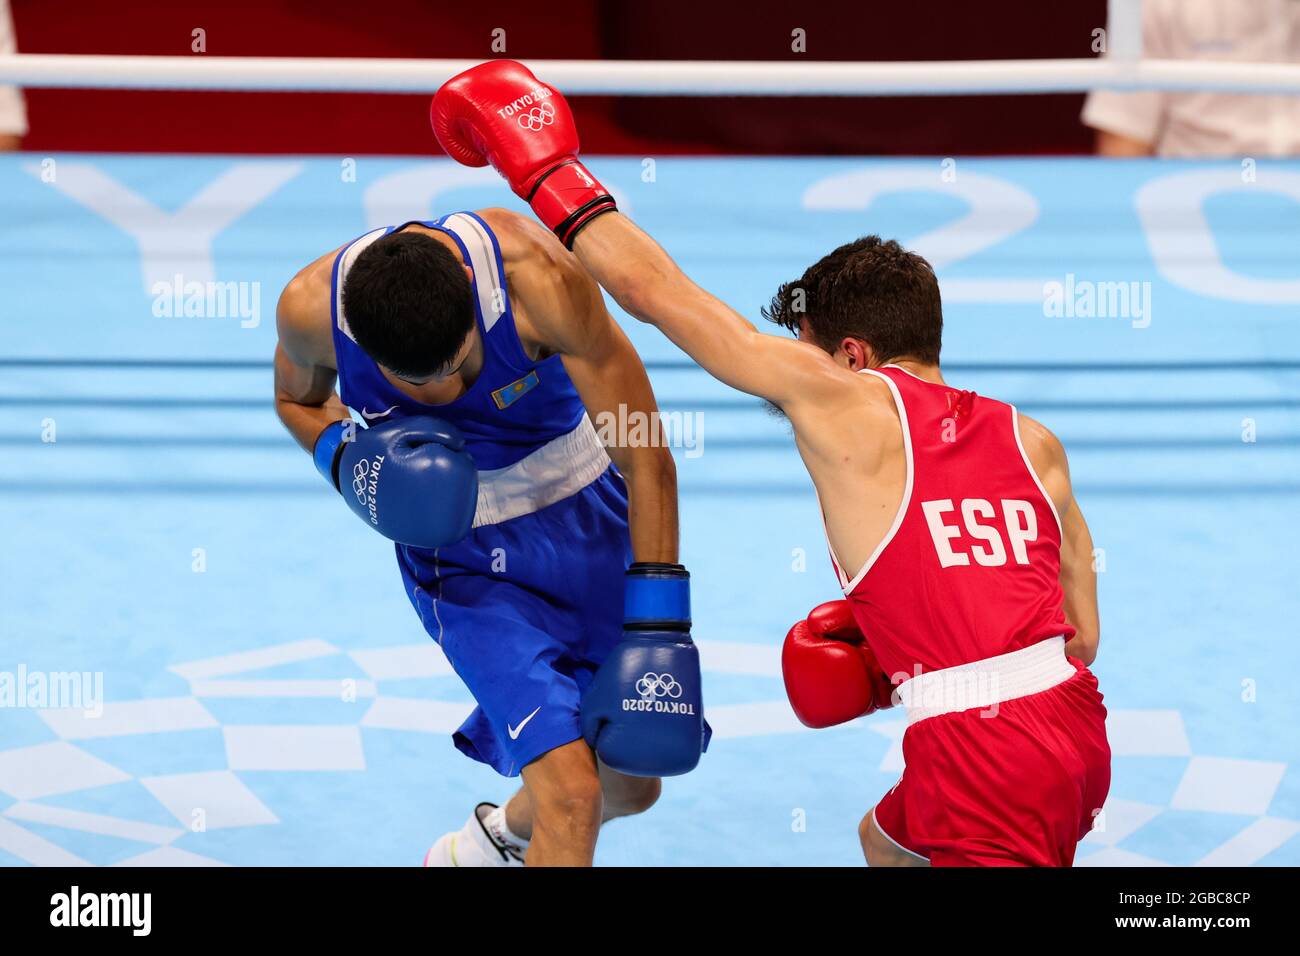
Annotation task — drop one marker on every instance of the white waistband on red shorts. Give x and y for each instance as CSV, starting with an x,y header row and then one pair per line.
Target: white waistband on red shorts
x,y
986,683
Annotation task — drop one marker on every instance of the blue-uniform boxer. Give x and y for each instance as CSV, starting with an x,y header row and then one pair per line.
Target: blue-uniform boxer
x,y
512,534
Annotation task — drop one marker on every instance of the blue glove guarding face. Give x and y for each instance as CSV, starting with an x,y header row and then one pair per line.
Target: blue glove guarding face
x,y
644,711
409,479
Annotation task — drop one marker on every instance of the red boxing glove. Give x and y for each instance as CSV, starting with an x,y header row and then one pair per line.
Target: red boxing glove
x,y
831,676
499,113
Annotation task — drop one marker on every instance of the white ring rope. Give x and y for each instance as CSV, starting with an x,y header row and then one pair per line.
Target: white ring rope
x,y
652,77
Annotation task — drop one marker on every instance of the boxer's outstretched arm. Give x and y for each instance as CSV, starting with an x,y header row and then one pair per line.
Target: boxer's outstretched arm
x,y
645,281
470,119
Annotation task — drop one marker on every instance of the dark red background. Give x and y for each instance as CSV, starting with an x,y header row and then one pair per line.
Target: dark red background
x,y
582,29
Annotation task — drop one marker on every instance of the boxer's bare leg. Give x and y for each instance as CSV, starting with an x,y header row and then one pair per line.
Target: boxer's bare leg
x,y
554,819
566,801
624,796
879,849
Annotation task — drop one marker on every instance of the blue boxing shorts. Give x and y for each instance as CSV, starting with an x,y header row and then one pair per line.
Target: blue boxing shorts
x,y
525,610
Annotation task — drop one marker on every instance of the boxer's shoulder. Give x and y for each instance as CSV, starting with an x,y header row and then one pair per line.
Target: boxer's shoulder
x,y
555,298
537,266
302,314
1046,455
520,238
854,412
872,396
1040,443
876,389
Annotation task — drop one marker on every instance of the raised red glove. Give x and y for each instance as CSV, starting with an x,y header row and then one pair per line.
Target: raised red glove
x,y
499,113
831,676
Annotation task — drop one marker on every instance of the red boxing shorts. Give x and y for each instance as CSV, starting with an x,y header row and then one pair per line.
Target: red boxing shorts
x,y
1015,778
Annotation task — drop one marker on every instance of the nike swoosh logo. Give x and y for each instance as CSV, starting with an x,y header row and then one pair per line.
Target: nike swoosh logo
x,y
516,731
371,416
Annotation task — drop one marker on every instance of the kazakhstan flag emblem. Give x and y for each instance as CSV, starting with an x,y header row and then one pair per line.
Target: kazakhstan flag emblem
x,y
507,395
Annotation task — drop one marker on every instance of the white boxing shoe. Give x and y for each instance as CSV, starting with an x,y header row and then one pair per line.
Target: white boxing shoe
x,y
475,845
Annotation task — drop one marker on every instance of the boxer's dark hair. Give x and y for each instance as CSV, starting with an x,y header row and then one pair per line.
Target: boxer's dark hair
x,y
871,290
409,304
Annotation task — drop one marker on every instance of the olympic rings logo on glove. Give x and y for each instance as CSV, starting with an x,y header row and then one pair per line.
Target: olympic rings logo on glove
x,y
360,473
658,685
537,117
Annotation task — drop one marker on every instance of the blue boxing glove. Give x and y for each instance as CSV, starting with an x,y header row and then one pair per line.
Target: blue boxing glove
x,y
644,711
410,479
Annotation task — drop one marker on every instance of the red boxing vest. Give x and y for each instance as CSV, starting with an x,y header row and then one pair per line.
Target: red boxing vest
x,y
971,567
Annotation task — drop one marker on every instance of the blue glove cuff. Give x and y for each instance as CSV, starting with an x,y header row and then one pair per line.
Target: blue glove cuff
x,y
657,597
326,451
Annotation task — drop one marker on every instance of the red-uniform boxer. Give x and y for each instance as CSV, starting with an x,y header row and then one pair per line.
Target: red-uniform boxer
x,y
965,561
1006,745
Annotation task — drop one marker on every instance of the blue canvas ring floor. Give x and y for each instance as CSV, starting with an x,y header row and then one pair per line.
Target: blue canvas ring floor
x,y
265,694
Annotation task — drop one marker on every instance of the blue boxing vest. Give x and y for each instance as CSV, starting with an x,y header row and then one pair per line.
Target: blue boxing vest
x,y
524,424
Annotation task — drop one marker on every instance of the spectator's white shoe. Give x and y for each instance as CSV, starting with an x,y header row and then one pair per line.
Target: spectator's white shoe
x,y
474,845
